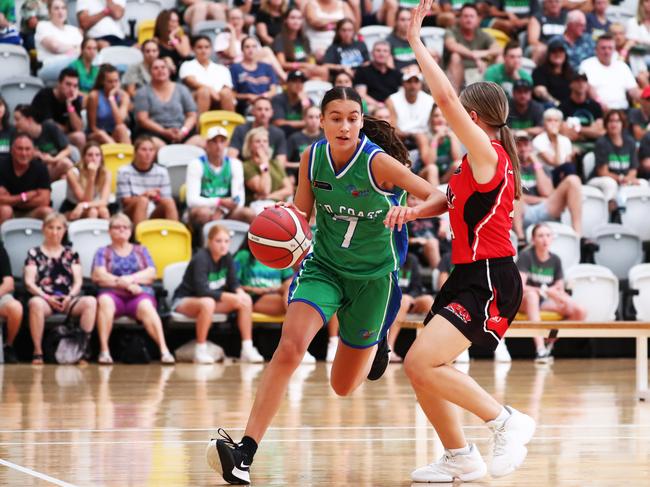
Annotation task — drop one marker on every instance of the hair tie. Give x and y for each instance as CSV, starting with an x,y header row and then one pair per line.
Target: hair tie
x,y
503,125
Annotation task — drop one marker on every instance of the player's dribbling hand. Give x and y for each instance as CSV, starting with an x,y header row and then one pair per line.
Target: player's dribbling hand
x,y
398,216
292,206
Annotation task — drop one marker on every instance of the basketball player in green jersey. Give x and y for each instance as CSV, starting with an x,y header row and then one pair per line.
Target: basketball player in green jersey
x,y
353,184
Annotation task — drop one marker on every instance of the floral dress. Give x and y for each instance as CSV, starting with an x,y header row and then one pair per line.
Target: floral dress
x,y
53,275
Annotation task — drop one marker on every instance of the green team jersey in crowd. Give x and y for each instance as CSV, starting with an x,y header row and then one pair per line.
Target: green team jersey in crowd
x,y
350,236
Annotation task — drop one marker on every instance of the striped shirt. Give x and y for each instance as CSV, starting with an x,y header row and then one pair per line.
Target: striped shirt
x,y
133,182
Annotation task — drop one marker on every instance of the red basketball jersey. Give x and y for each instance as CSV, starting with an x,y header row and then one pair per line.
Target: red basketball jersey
x,y
481,214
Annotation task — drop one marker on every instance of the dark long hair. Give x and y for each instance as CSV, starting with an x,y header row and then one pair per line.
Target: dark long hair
x,y
379,131
104,69
337,35
4,121
289,45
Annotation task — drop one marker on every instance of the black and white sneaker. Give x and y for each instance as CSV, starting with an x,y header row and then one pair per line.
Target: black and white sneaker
x,y
228,459
382,357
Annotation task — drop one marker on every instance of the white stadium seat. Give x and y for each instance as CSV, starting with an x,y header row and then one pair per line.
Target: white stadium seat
x,y
620,249
596,288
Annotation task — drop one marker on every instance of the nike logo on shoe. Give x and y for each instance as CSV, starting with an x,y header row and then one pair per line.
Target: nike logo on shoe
x,y
241,474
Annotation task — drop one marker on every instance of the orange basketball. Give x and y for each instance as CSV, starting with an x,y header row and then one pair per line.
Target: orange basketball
x,y
279,237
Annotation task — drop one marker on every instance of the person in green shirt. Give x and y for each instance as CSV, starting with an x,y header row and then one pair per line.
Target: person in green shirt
x,y
506,73
84,65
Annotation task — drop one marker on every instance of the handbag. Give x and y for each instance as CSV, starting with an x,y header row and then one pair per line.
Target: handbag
x,y
66,343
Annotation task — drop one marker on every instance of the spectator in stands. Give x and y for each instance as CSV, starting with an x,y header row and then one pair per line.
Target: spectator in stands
x,y
423,240
543,26
644,158
553,148
638,32
84,65
289,105
410,109
621,43
57,44
139,75
50,143
400,48
321,17
215,183
209,286
377,81
252,78
211,83
299,141
583,116
506,73
124,273
639,119
63,104
200,10
24,183
343,78
8,32
346,53
525,113
597,21
509,16
107,109
611,80
262,112
552,78
31,13
468,50
616,158
443,152
541,273
11,310
174,45
292,47
102,20
579,44
268,21
165,110
265,177
143,187
53,277
540,202
414,300
7,131
381,112
89,186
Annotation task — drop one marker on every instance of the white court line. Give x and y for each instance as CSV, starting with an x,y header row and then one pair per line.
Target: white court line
x,y
308,428
36,474
310,440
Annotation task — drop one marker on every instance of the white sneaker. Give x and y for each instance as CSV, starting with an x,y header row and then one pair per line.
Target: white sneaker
x,y
331,351
166,358
201,355
508,442
463,358
105,358
501,353
393,358
308,358
466,468
251,355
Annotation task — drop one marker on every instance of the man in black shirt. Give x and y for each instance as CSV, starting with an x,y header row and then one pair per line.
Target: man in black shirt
x,y
24,183
288,106
50,142
525,113
583,116
377,81
63,104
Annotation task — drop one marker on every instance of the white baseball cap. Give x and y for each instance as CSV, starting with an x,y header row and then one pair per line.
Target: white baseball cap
x,y
216,131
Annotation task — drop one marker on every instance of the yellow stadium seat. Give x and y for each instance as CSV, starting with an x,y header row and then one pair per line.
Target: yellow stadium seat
x,y
168,241
116,156
545,315
499,36
228,120
262,318
145,30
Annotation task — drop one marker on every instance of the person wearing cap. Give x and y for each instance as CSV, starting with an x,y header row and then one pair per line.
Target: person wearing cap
x,y
289,105
551,79
578,44
543,26
639,118
553,148
377,81
525,113
611,81
506,73
215,183
211,83
583,116
409,109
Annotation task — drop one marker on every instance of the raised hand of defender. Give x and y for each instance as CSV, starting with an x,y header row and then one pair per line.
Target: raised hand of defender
x,y
399,215
417,16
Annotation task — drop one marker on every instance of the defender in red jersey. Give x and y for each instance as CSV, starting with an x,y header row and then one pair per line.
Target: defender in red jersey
x,y
484,290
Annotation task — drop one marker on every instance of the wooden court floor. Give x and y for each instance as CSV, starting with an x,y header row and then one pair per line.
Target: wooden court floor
x,y
148,425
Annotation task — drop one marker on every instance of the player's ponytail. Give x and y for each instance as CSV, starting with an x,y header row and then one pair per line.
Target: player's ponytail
x,y
490,103
379,131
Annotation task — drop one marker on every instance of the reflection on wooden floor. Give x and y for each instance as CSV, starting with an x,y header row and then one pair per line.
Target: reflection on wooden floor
x,y
148,425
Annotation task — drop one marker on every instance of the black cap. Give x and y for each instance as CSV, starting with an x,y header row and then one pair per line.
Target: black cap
x,y
556,43
522,84
296,75
579,77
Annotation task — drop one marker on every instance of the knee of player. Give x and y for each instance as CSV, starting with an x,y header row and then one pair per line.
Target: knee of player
x,y
414,365
342,389
289,352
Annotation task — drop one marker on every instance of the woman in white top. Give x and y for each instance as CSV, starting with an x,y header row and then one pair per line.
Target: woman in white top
x,y
553,148
321,17
57,44
638,31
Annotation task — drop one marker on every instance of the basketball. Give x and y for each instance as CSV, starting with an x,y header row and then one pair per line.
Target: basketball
x,y
279,237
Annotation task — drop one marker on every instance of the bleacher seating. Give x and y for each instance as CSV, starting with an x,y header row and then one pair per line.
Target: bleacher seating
x,y
86,236
19,235
168,242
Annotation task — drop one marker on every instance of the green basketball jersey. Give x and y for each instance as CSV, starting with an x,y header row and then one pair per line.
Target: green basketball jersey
x,y
350,235
215,183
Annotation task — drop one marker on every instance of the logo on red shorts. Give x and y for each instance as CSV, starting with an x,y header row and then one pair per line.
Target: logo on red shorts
x,y
459,311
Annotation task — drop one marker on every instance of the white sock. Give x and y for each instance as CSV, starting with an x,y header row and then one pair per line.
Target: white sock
x,y
541,350
459,451
246,344
333,341
503,415
202,347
